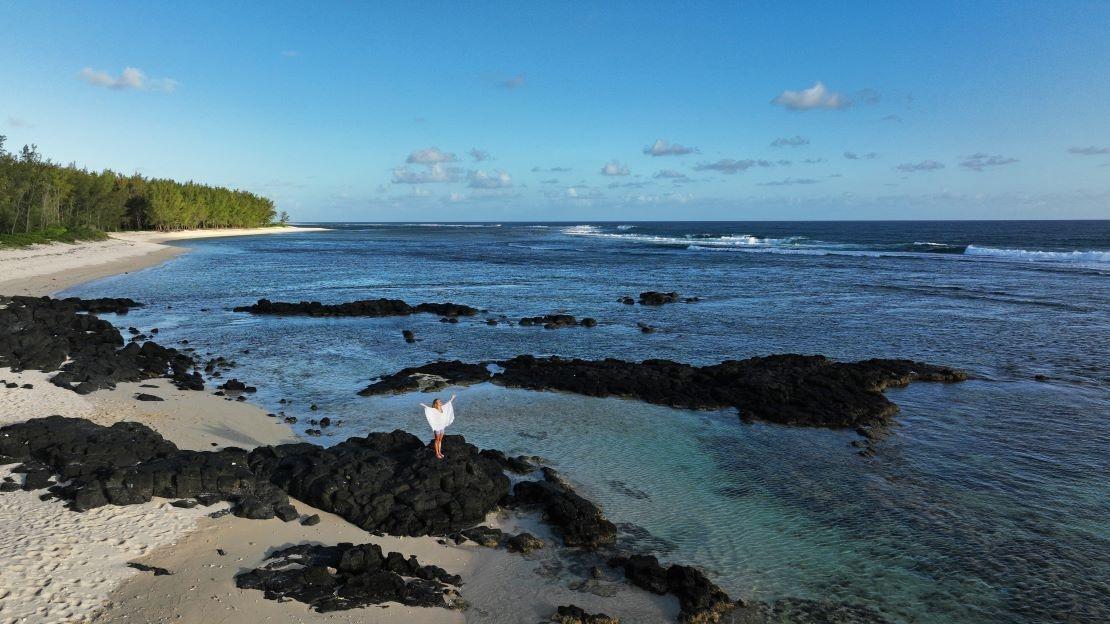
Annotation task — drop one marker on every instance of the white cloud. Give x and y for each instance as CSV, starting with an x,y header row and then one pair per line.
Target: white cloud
x,y
894,118
794,141
730,166
129,78
663,147
478,154
1089,151
436,173
815,97
552,170
925,165
813,161
980,161
614,168
19,122
492,180
430,156
865,156
515,82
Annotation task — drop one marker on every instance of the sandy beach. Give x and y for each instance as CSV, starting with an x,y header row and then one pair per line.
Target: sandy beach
x,y
46,269
65,566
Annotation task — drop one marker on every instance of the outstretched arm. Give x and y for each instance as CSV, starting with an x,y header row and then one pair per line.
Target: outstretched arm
x,y
452,398
422,405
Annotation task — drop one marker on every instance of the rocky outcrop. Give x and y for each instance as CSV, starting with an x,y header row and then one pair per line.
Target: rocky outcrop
x,y
129,463
114,305
556,321
364,307
346,576
808,390
429,378
53,334
699,599
390,482
570,614
577,520
654,298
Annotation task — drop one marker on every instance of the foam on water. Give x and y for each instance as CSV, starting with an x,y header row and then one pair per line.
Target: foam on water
x,y
1086,257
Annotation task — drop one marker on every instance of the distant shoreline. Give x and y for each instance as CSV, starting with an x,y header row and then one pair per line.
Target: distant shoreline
x,y
46,269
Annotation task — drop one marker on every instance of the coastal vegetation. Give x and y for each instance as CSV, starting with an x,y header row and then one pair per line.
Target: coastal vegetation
x,y
43,201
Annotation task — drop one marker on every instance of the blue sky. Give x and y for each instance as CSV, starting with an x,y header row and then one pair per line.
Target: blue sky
x,y
515,111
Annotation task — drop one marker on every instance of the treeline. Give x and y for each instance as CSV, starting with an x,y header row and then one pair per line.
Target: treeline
x,y
37,194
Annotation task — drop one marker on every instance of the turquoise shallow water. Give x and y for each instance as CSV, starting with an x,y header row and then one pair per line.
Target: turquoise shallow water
x,y
987,504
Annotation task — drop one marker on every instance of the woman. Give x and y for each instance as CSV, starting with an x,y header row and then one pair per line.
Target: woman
x,y
439,415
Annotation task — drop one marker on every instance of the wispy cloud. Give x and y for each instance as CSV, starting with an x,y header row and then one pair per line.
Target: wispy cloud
x,y
816,97
925,165
669,174
813,161
478,155
493,180
19,122
129,79
663,147
980,161
290,53
794,141
614,168
515,82
892,118
430,156
1089,151
550,181
551,170
730,166
436,173
864,156
790,182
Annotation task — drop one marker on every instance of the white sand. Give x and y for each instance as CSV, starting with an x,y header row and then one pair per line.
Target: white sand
x,y
57,565
46,269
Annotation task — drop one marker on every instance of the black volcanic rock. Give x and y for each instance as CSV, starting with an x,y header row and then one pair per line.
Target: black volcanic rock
x,y
699,599
103,304
346,576
130,463
556,321
364,307
389,482
429,378
577,520
654,298
806,390
142,396
570,614
53,334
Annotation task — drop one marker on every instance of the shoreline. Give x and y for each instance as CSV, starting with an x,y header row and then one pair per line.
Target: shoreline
x,y
68,566
46,269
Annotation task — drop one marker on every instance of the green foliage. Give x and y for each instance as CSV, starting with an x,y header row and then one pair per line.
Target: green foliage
x,y
37,195
51,235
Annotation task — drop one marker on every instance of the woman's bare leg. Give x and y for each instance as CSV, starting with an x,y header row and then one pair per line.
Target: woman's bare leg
x,y
439,444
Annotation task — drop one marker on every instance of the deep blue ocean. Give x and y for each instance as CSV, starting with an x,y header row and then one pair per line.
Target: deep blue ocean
x,y
990,502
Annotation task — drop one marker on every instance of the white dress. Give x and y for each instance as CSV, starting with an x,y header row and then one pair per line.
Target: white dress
x,y
439,420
